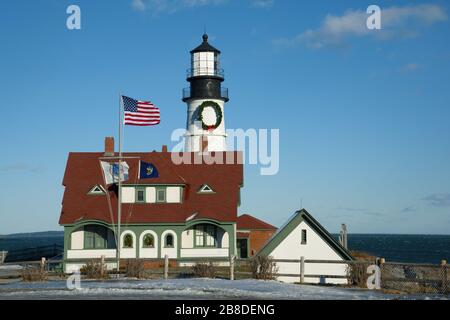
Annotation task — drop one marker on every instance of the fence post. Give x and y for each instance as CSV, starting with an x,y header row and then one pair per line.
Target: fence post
x,y
42,264
3,256
302,269
102,266
381,263
166,266
232,267
444,287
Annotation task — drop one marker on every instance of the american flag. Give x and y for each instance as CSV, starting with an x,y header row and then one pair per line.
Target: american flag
x,y
140,113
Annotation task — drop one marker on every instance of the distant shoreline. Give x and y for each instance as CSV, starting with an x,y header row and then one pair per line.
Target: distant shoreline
x,y
32,234
61,233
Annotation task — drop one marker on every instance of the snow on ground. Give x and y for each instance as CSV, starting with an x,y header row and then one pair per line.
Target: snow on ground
x,y
10,267
9,270
190,289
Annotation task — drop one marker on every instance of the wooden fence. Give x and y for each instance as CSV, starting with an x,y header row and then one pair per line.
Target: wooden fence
x,y
231,267
394,275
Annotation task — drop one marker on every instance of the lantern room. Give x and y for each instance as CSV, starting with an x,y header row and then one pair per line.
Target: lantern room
x,y
205,61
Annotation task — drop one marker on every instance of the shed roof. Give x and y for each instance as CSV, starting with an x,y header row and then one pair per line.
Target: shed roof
x,y
294,221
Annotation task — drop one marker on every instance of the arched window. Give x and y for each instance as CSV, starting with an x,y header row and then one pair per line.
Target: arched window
x,y
128,241
168,243
149,241
95,237
205,235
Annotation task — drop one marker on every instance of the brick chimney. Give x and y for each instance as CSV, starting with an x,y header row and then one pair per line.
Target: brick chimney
x,y
164,148
109,146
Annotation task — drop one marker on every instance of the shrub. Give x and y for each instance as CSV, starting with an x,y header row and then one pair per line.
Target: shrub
x,y
204,270
263,268
94,270
135,268
33,274
357,274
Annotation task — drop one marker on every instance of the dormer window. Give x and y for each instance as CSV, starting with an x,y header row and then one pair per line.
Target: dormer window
x,y
205,189
161,195
97,190
140,195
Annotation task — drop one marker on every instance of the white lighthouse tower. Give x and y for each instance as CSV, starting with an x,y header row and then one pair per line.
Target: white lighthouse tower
x,y
205,100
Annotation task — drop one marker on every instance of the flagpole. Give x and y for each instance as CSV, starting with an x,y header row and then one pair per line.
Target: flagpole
x,y
119,195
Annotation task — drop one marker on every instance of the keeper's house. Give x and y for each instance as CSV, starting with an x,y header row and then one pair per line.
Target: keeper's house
x,y
188,211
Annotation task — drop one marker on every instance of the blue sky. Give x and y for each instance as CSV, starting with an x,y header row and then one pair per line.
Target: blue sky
x,y
364,117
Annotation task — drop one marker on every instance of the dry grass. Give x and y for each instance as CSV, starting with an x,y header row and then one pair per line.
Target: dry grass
x,y
94,270
33,274
135,268
204,270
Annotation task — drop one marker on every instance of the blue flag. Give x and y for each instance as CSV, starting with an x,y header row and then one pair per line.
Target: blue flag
x,y
148,170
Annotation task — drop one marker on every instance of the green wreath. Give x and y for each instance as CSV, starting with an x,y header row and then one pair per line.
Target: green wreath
x,y
217,110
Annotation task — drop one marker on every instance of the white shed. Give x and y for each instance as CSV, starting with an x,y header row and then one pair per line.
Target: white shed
x,y
303,236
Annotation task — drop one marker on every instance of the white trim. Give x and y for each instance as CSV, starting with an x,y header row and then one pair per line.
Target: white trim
x,y
91,253
204,252
205,189
97,190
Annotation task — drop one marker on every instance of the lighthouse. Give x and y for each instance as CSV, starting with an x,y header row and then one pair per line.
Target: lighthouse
x,y
205,98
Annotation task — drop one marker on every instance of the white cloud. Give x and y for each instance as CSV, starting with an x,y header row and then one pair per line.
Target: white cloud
x,y
171,6
139,5
262,3
396,22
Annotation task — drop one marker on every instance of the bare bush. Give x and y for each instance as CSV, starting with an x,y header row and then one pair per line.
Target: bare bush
x,y
263,268
33,274
135,268
357,274
204,270
94,270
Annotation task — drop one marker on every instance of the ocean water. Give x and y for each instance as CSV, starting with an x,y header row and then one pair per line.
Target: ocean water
x,y
398,248
403,248
26,242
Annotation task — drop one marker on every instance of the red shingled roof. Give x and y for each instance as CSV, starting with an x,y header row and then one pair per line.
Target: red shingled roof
x,y
248,222
83,172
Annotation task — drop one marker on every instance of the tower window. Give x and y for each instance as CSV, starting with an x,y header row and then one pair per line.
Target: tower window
x,y
304,236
